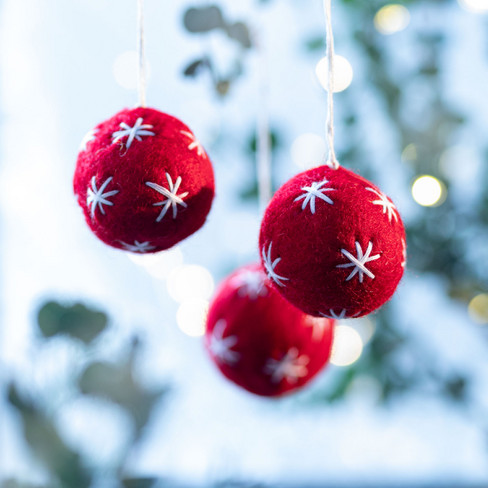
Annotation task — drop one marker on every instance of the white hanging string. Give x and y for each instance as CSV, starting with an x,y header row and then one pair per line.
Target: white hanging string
x,y
263,140
141,54
331,158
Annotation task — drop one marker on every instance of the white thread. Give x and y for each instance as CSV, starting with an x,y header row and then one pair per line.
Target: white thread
x,y
250,284
194,142
141,54
220,346
313,192
340,316
270,265
96,197
291,367
263,139
388,206
141,247
132,133
331,159
172,198
89,137
359,263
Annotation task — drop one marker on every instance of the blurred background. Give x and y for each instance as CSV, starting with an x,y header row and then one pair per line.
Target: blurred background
x,y
104,381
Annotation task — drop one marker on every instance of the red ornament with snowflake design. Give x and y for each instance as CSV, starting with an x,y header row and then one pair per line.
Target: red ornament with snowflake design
x,y
143,180
333,244
261,342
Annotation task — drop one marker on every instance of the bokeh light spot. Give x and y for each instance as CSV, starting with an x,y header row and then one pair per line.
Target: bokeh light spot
x,y
428,191
343,73
391,19
478,309
347,347
190,282
191,317
475,6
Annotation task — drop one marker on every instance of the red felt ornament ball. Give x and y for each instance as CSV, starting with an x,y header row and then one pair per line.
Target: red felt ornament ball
x,y
260,341
143,180
332,243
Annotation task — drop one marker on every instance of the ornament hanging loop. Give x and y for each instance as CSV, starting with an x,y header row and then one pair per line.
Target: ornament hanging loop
x,y
141,54
331,158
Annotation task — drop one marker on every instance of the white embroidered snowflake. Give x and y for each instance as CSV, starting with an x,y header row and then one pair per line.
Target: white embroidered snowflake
x,y
386,203
171,194
359,262
270,265
194,142
341,315
220,346
318,327
251,284
132,133
312,192
404,253
96,197
141,247
291,367
89,137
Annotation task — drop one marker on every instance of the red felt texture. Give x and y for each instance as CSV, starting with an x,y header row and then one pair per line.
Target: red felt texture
x,y
261,342
306,247
129,221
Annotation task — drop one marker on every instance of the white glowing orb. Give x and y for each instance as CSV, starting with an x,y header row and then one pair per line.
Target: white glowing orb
x,y
391,18
343,73
308,150
125,70
347,347
191,317
475,6
190,282
428,191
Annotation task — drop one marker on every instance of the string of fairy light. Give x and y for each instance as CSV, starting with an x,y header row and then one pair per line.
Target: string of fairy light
x,y
191,286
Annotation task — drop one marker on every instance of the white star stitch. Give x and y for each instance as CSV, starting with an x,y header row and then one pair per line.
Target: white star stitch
x,y
270,266
132,133
220,346
384,201
141,247
291,367
194,144
95,197
251,285
312,192
89,137
359,263
404,253
172,197
340,316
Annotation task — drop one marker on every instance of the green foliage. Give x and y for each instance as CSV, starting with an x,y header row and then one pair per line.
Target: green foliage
x,y
42,437
250,190
204,21
114,382
76,321
139,482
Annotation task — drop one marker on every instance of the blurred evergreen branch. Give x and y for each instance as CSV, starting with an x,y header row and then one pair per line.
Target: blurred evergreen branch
x,y
114,382
206,21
